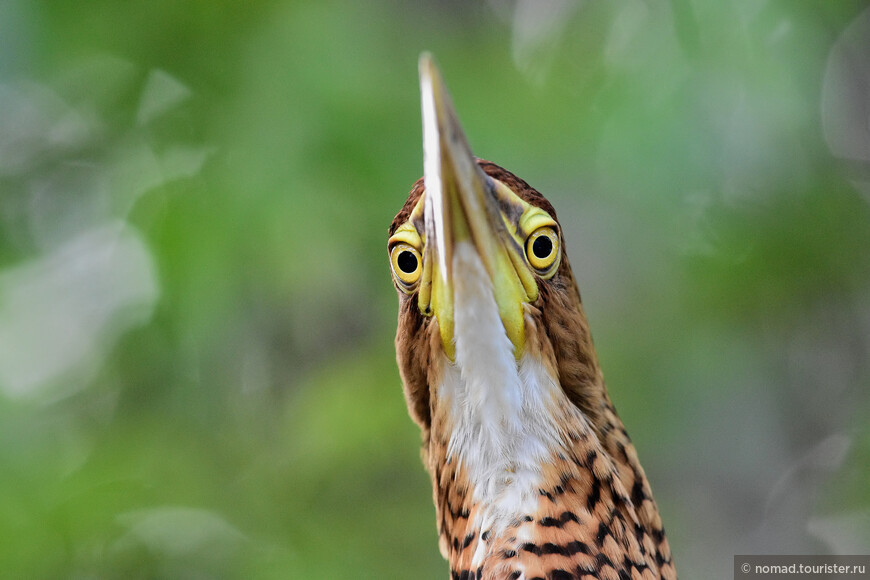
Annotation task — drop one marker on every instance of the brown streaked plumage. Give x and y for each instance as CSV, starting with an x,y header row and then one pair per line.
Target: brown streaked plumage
x,y
568,497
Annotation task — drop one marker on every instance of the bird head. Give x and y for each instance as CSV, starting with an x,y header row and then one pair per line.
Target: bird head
x,y
472,233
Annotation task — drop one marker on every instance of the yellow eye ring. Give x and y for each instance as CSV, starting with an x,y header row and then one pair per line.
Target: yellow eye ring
x,y
406,263
542,249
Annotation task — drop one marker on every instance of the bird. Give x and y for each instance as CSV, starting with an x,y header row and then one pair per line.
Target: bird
x,y
533,473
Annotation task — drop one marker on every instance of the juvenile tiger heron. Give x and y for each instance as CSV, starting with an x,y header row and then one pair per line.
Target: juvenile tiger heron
x,y
534,475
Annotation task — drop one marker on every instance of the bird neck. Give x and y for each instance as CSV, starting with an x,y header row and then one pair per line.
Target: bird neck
x,y
529,483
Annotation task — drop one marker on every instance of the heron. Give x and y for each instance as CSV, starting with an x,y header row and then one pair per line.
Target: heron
x,y
533,473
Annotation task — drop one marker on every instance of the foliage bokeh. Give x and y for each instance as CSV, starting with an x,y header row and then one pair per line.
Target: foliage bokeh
x,y
196,315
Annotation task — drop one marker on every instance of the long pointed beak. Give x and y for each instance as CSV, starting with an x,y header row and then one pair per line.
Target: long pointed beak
x,y
457,194
461,206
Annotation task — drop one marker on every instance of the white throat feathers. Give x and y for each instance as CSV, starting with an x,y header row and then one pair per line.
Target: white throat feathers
x,y
500,408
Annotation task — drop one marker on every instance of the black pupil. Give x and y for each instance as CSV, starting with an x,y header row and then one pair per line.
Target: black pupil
x,y
542,246
407,262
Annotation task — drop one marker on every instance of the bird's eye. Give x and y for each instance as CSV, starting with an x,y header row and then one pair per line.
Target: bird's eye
x,y
542,249
406,263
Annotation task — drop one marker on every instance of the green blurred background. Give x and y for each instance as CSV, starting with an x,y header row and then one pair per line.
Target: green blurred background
x,y
197,375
